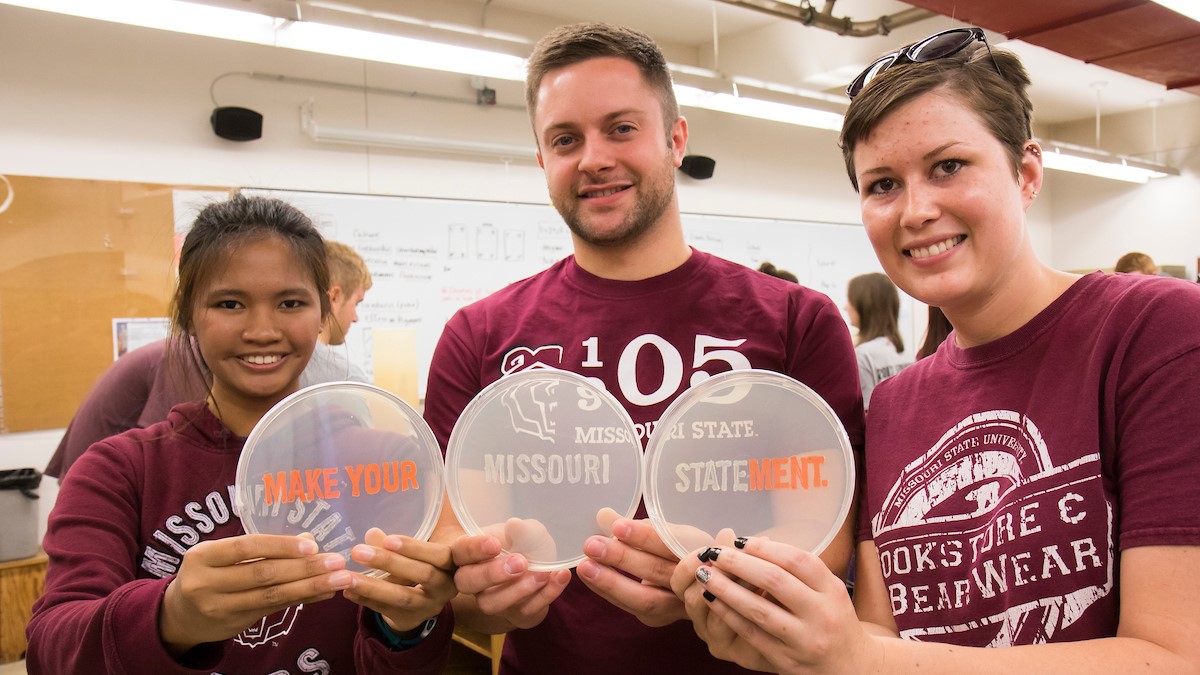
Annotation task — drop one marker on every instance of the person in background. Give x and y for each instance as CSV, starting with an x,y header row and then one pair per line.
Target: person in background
x,y
610,138
137,390
349,281
1030,490
1136,263
150,571
937,329
873,305
768,268
142,386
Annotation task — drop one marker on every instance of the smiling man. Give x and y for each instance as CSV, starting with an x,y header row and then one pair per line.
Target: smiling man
x,y
638,310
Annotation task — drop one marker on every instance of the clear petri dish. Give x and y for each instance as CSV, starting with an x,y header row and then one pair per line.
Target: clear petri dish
x,y
535,457
748,453
336,459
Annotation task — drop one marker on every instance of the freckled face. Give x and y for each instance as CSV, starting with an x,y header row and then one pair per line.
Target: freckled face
x,y
942,205
256,324
603,144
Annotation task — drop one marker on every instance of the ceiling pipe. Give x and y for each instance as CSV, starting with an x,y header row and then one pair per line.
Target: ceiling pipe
x,y
825,19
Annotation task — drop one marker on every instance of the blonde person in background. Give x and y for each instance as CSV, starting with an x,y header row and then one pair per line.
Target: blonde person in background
x,y
349,281
874,308
1136,263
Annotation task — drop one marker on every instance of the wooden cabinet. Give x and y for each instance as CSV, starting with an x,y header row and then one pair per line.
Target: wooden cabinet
x,y
21,583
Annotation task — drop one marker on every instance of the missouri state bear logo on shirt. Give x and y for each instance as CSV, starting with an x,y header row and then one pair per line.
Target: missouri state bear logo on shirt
x,y
269,628
525,358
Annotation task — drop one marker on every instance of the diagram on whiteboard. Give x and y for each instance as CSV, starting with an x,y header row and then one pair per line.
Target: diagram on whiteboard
x,y
485,242
456,246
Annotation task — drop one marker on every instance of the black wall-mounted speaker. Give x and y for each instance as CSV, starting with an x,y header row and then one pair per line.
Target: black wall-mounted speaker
x,y
698,166
237,124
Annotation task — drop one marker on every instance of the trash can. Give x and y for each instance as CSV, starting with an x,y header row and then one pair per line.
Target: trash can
x,y
18,503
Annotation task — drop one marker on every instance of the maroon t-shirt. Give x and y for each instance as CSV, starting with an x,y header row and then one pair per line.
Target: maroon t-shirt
x,y
1003,481
137,390
116,537
646,341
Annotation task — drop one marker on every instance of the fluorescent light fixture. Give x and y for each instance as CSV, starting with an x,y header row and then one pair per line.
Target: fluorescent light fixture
x,y
361,44
1078,159
180,17
753,107
308,123
438,25
741,81
1188,8
231,24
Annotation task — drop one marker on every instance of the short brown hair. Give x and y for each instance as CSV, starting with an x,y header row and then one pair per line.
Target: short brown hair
x,y
1000,98
571,44
346,267
771,269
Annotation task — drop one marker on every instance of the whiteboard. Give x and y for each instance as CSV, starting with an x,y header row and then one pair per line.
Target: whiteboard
x,y
430,257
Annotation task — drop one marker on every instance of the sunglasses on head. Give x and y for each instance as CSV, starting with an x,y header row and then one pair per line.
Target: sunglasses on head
x,y
936,46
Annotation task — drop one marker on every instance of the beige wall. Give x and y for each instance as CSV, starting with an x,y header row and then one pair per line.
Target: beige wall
x,y
1095,222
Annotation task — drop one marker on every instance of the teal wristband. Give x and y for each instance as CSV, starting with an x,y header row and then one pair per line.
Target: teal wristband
x,y
396,643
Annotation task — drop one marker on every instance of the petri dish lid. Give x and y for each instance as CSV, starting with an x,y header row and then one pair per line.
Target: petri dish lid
x,y
336,459
535,457
748,453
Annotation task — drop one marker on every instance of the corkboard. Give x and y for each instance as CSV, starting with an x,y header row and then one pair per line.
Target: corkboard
x,y
76,255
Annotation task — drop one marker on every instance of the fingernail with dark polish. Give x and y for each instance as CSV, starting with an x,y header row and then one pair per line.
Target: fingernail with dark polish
x,y
709,554
709,596
703,574
740,542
